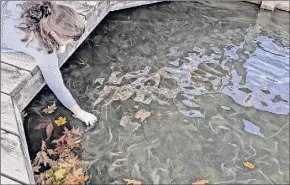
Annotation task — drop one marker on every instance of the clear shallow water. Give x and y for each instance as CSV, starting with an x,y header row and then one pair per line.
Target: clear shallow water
x,y
211,74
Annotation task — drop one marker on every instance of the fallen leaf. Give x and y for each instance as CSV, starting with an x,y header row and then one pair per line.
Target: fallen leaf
x,y
59,174
50,152
142,114
49,130
49,109
60,121
41,126
45,158
41,158
249,165
36,168
134,182
200,182
76,180
75,131
78,172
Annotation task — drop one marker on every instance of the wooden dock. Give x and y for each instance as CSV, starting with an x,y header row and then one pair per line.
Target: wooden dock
x,y
21,80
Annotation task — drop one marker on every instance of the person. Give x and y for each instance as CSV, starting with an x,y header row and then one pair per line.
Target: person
x,y
42,29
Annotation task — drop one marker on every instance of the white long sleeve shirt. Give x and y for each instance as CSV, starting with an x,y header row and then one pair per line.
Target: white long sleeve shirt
x,y
48,63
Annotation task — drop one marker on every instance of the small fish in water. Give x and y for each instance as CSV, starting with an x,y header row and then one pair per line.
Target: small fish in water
x,y
252,128
225,108
190,103
191,113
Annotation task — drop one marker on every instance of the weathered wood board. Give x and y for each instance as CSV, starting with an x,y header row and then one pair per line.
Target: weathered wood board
x,y
20,60
8,120
13,79
12,159
283,5
119,5
5,180
29,90
271,5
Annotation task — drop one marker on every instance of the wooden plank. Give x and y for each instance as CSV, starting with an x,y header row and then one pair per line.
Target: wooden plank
x,y
254,1
12,79
12,159
23,143
29,91
269,5
283,5
8,120
5,180
20,60
119,5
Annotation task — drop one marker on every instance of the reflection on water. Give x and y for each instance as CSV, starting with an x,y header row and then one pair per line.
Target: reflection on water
x,y
215,78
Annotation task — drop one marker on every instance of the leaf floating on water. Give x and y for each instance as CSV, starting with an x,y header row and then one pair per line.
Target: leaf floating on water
x,y
134,182
50,109
201,182
36,168
75,131
175,62
60,121
49,130
191,113
59,174
252,128
249,165
245,89
116,78
128,124
142,114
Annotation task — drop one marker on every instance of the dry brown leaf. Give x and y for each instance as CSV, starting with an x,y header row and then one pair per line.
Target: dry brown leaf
x,y
75,131
142,114
49,130
201,182
249,165
50,109
134,182
59,174
51,152
36,168
76,179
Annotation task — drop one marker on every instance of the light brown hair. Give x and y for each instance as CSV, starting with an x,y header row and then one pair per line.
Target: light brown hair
x,y
40,18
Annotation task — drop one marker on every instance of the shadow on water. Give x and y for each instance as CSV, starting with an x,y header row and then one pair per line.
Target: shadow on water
x,y
215,78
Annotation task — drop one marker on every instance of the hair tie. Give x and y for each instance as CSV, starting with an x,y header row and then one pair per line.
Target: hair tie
x,y
46,11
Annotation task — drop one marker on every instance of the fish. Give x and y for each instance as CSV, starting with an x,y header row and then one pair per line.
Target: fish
x,y
191,113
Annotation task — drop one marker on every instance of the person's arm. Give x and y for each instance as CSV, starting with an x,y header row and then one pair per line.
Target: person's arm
x,y
48,64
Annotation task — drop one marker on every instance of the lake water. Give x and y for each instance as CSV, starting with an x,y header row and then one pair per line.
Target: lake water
x,y
215,78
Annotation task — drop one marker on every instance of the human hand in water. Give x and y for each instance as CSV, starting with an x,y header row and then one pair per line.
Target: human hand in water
x,y
88,118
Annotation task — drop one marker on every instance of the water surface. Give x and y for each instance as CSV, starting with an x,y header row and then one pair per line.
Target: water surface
x,y
215,78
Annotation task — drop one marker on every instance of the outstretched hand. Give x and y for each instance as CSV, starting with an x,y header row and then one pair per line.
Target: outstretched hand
x,y
88,118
